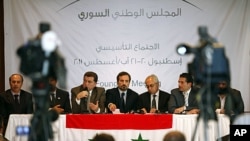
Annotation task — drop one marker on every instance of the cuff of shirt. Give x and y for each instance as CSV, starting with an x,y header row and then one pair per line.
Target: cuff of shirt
x,y
78,101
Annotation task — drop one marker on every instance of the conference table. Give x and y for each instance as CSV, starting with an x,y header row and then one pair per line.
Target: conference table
x,y
127,127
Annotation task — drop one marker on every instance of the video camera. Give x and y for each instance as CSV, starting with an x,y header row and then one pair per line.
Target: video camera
x,y
40,61
210,64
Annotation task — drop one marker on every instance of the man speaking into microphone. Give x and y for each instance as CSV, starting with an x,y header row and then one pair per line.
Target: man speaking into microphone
x,y
88,98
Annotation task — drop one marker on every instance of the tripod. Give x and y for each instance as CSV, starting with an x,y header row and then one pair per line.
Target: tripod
x,y
206,111
211,75
41,129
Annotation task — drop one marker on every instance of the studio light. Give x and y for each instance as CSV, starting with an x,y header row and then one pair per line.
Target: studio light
x,y
184,49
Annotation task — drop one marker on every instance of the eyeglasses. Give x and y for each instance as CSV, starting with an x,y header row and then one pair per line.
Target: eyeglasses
x,y
150,86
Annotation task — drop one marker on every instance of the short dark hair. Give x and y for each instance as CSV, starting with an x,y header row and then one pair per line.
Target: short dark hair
x,y
91,74
53,77
121,74
188,76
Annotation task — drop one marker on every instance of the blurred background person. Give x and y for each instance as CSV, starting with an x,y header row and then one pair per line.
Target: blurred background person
x,y
103,137
122,93
154,100
88,98
174,136
229,100
59,99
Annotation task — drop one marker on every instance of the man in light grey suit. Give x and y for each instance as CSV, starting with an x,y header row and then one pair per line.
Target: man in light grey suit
x,y
184,98
87,98
153,100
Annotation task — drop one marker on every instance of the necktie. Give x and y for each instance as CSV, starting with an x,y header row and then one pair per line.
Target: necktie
x,y
16,99
154,102
186,98
122,106
88,101
16,104
53,100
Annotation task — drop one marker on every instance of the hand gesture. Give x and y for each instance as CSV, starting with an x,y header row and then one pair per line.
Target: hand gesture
x,y
82,94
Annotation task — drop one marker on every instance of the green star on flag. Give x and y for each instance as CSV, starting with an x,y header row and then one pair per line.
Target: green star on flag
x,y
139,138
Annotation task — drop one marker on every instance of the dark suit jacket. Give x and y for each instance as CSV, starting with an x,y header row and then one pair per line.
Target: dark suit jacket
x,y
177,100
98,94
2,138
233,103
145,102
7,104
62,99
113,96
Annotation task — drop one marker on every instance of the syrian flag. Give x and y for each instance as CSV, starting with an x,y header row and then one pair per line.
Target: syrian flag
x,y
123,127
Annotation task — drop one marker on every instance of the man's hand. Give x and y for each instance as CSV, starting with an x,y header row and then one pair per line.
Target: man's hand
x,y
58,109
194,111
179,110
112,107
82,94
94,107
152,110
144,110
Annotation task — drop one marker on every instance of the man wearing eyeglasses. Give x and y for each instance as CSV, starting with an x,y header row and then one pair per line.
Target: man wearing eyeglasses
x,y
154,100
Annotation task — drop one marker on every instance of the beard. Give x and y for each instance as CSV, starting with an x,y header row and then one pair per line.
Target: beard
x,y
123,87
223,90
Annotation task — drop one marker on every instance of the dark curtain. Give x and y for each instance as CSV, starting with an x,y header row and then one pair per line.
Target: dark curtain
x,y
2,66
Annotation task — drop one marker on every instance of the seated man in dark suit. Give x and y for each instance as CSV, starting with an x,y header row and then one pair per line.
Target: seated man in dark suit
x,y
184,99
154,100
229,100
88,98
59,99
15,100
114,98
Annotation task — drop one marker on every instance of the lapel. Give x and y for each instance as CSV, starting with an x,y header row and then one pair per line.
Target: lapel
x,y
58,96
181,97
93,95
9,97
159,99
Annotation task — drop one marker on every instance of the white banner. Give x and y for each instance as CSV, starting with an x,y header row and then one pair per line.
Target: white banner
x,y
140,37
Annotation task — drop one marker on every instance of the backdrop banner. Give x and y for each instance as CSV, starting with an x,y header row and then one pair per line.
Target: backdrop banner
x,y
140,37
